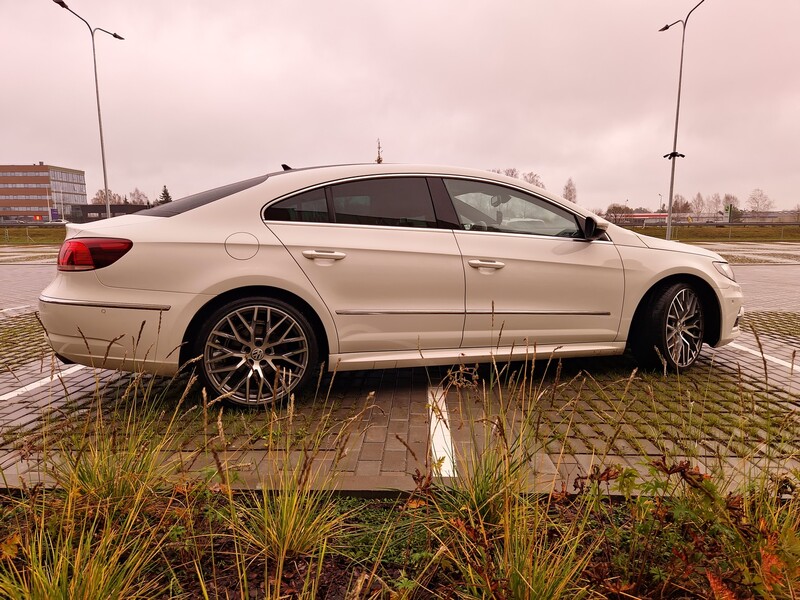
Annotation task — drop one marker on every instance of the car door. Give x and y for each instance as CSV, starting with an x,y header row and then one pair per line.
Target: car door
x,y
391,278
531,278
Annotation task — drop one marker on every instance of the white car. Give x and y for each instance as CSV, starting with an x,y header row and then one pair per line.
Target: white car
x,y
375,266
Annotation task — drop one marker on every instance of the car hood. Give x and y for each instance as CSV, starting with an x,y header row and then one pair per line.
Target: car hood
x,y
659,244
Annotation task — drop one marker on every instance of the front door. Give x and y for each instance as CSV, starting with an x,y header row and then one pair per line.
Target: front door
x,y
531,278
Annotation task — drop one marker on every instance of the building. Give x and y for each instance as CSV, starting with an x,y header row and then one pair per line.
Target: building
x,y
40,192
95,212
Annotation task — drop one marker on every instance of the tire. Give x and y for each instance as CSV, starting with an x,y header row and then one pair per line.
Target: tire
x,y
256,351
670,328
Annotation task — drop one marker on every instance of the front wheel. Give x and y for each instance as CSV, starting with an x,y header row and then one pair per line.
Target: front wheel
x,y
671,328
256,351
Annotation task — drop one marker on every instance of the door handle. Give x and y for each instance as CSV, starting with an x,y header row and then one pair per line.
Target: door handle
x,y
486,264
324,254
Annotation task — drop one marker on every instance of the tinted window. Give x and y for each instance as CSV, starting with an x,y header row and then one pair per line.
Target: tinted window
x,y
308,207
170,209
395,202
485,206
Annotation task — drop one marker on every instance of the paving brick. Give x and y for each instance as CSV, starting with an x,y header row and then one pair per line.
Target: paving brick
x,y
376,434
417,434
376,459
368,468
371,451
395,444
398,426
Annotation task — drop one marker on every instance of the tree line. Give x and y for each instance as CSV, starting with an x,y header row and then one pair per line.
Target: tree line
x,y
758,202
570,192
135,197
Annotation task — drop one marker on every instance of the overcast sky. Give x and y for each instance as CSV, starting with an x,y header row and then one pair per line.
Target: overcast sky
x,y
202,93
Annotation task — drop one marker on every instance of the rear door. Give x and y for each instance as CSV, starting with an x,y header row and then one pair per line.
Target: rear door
x,y
391,278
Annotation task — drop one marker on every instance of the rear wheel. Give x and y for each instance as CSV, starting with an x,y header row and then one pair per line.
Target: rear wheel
x,y
670,329
256,350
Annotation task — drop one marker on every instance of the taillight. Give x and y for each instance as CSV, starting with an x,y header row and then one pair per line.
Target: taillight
x,y
86,254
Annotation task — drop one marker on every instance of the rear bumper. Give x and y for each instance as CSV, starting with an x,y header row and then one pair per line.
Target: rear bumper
x,y
113,335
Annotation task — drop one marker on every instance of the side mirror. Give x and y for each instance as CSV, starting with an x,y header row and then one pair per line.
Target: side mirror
x,y
594,229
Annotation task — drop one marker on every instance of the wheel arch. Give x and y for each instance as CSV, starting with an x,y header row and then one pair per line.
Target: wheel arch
x,y
242,292
711,305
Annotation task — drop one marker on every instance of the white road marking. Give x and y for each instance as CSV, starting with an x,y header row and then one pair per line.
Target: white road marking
x,y
441,441
777,361
15,308
40,383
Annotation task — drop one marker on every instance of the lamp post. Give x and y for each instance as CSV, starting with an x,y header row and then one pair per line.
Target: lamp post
x,y
63,4
675,154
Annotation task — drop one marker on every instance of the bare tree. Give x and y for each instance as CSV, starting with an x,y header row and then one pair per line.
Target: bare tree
x,y
379,158
759,202
730,200
534,179
796,210
698,205
714,203
616,210
530,176
680,205
139,197
100,198
570,192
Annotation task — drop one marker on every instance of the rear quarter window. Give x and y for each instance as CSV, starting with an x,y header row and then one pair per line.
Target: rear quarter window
x,y
308,207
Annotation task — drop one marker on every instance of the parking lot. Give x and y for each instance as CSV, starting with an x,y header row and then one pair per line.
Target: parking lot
x,y
738,409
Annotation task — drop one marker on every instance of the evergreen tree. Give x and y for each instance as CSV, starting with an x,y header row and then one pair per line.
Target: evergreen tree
x,y
164,197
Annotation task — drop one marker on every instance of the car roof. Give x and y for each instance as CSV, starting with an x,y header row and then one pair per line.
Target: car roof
x,y
328,174
295,179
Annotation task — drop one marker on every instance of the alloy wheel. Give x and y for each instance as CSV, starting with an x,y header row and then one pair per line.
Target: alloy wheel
x,y
256,354
684,328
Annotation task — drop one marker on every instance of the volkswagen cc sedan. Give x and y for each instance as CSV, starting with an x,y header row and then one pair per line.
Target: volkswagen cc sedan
x,y
371,266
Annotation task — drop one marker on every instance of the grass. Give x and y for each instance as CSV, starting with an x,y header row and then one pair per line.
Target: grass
x,y
127,520
724,233
683,490
23,339
33,234
773,323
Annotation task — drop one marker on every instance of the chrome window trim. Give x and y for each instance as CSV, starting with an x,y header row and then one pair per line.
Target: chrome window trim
x,y
418,174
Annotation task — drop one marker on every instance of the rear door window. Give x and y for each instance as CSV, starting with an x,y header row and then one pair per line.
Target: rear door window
x,y
389,201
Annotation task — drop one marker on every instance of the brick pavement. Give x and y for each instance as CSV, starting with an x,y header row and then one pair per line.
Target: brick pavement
x,y
377,423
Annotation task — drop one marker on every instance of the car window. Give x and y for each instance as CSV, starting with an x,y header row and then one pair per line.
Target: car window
x,y
389,201
182,205
308,207
483,206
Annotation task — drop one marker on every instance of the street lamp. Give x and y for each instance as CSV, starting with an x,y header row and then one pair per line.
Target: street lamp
x,y
675,154
63,4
